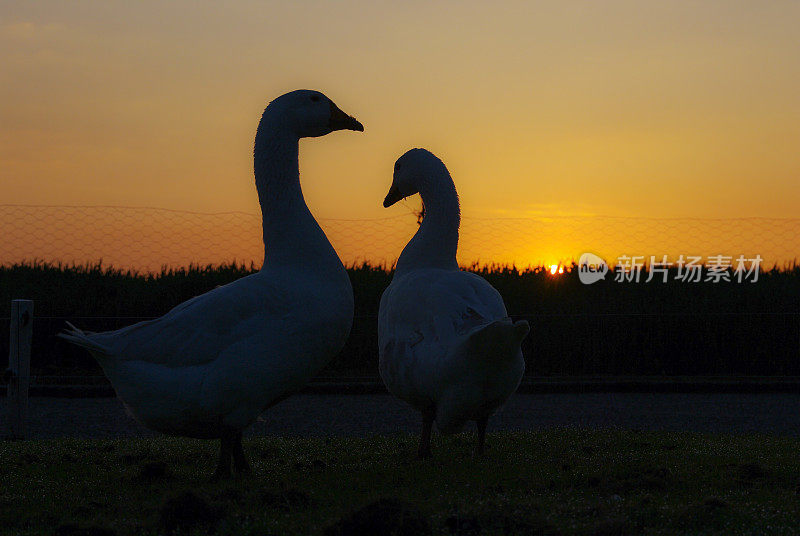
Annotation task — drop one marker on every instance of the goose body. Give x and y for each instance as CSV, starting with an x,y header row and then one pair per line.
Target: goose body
x,y
218,361
211,365
446,343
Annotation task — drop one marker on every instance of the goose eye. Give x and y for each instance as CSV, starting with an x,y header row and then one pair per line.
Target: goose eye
x,y
397,165
314,98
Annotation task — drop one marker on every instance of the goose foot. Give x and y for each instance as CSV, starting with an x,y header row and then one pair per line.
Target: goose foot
x,y
225,452
425,438
480,448
240,464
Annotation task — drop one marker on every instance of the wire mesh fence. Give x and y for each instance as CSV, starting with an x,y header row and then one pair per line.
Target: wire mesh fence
x,y
147,239
607,328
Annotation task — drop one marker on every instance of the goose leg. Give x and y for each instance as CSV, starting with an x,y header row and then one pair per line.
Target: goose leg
x,y
224,466
481,423
240,464
425,438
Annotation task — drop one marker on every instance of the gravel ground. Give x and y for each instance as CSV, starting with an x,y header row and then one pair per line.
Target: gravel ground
x,y
362,415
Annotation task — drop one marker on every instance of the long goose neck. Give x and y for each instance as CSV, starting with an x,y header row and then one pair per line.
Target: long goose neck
x,y
436,241
291,233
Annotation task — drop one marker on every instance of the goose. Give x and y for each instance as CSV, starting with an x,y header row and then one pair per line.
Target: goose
x,y
446,344
212,365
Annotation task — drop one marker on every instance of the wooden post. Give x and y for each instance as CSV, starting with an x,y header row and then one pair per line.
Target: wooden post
x,y
19,364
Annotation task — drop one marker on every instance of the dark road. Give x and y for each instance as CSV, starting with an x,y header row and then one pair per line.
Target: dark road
x,y
360,415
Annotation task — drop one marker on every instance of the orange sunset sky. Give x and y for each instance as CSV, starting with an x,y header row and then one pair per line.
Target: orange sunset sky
x,y
568,108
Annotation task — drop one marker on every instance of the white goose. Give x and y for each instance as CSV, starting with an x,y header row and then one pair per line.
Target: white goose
x,y
446,344
211,365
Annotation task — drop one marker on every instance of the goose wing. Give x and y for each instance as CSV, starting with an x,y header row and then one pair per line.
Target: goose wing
x,y
199,330
433,308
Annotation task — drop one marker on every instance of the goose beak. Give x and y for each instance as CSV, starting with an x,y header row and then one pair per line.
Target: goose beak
x,y
341,121
392,197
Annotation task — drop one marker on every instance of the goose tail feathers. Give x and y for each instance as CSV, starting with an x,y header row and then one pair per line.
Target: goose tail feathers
x,y
81,338
500,339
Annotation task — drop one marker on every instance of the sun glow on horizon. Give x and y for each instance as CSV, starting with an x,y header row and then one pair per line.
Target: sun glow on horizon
x,y
156,105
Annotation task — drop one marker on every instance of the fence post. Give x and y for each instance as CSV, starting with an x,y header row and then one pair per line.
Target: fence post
x,y
19,364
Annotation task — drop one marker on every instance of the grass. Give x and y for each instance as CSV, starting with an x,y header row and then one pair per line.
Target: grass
x,y
549,482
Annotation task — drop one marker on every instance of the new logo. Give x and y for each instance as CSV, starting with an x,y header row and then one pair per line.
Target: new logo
x,y
591,268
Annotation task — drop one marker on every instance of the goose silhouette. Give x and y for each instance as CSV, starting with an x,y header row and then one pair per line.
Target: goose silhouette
x,y
211,365
446,343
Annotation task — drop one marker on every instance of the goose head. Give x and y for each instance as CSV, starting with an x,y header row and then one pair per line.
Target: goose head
x,y
307,114
413,171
